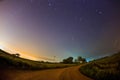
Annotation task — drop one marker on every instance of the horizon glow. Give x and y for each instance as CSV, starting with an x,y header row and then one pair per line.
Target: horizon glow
x,y
42,29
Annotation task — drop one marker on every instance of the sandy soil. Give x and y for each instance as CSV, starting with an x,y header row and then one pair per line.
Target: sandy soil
x,y
71,73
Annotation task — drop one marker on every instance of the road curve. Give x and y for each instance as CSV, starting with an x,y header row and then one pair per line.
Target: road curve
x,y
71,73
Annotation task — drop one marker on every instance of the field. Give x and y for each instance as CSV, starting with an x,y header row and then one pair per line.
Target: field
x,y
107,68
13,62
13,67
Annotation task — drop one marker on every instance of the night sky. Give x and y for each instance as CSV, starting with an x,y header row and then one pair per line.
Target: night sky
x,y
42,29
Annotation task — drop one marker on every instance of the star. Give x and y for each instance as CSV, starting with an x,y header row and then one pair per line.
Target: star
x,y
49,4
99,12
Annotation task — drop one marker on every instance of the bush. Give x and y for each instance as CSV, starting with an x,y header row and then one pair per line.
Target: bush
x,y
103,69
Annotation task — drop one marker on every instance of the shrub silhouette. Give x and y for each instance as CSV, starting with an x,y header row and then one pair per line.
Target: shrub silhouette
x,y
15,61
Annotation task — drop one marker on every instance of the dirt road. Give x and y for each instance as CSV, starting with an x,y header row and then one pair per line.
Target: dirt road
x,y
70,73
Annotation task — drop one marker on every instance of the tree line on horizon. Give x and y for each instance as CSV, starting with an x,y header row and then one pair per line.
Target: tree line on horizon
x,y
70,60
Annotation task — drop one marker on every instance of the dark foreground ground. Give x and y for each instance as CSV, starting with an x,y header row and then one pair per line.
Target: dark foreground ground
x,y
71,73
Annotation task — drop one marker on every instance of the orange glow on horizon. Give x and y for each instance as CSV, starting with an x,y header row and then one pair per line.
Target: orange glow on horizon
x,y
13,50
23,54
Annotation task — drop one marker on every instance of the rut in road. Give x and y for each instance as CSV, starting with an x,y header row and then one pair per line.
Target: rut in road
x,y
71,73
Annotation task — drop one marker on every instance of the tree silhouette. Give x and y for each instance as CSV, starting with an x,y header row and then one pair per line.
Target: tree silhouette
x,y
16,55
80,59
69,60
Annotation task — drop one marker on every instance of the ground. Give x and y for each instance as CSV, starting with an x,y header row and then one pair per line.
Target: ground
x,y
70,73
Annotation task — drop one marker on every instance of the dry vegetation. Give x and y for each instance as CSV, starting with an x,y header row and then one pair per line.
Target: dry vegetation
x,y
10,61
107,68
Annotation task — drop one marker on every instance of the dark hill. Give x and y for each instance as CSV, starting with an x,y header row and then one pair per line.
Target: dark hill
x,y
107,68
13,61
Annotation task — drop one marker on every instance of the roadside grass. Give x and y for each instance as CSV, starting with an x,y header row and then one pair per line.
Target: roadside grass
x,y
9,61
107,68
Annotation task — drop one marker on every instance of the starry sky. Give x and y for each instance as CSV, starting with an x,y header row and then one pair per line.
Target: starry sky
x,y
45,29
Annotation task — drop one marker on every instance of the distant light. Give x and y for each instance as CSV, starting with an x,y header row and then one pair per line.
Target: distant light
x,y
89,59
1,47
